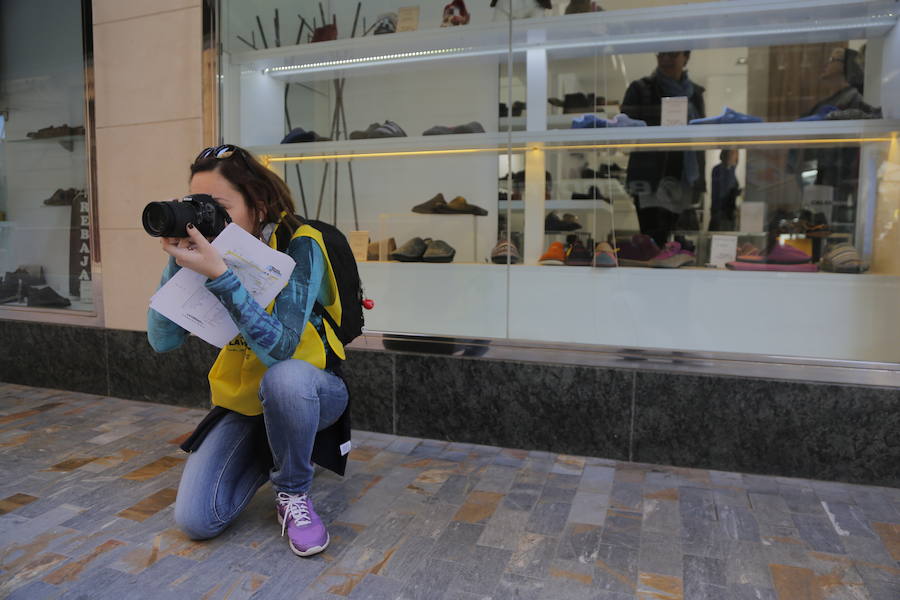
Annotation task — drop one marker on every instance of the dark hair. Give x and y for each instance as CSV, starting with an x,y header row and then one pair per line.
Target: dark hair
x,y
853,71
263,191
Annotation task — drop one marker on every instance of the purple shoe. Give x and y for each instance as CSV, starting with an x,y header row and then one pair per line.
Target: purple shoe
x,y
306,533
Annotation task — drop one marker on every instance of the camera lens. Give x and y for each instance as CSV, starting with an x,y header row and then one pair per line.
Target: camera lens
x,y
159,219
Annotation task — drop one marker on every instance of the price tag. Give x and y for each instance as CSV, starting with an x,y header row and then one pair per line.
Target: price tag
x,y
674,111
359,244
723,249
408,18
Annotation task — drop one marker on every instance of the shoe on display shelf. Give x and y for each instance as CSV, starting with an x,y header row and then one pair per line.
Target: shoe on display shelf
x,y
299,134
637,251
378,130
455,14
843,258
62,197
589,121
605,256
459,206
438,251
781,258
555,254
820,114
582,6
623,120
505,250
385,23
592,194
579,103
435,206
553,223
672,256
854,113
55,131
411,251
578,255
306,533
471,127
45,297
727,116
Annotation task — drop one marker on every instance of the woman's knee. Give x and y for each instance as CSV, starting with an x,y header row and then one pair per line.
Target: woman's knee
x,y
287,381
196,521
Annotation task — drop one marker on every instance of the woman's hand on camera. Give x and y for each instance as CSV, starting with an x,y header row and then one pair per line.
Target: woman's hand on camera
x,y
195,253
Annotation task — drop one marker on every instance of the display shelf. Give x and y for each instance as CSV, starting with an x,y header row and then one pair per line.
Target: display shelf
x,y
591,205
563,121
58,138
755,133
730,23
621,306
412,144
779,133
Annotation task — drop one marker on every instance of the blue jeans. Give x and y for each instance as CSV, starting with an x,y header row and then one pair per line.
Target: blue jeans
x,y
220,478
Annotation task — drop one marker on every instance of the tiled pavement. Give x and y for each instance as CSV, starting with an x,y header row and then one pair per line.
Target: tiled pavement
x,y
87,485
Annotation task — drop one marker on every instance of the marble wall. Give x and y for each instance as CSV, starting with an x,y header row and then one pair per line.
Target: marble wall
x,y
752,425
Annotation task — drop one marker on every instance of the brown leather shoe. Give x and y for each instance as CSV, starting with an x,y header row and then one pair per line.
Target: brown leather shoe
x,y
435,206
459,206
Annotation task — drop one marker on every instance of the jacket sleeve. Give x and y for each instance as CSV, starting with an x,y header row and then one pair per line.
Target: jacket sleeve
x,y
163,334
633,104
274,337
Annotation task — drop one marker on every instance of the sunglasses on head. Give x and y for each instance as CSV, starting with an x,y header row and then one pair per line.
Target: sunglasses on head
x,y
221,152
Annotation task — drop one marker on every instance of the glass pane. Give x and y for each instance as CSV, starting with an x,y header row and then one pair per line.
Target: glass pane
x,y
45,218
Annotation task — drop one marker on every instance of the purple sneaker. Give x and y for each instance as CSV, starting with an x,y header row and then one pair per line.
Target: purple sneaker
x,y
306,533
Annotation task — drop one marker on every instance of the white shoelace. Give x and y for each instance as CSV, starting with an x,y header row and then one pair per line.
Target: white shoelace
x,y
294,506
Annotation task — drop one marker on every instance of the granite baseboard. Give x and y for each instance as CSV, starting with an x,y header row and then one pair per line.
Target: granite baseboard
x,y
794,429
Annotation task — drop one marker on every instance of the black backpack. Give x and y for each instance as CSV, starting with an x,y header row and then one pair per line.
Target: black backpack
x,y
343,264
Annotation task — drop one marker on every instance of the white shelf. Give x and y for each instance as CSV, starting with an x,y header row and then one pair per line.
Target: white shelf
x,y
590,205
730,23
750,132
563,121
621,307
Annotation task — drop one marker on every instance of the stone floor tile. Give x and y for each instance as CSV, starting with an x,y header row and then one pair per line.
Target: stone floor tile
x,y
848,519
408,557
818,533
589,508
532,555
661,554
518,587
616,570
456,540
738,523
659,587
481,570
548,518
745,591
801,500
622,529
662,516
504,528
434,574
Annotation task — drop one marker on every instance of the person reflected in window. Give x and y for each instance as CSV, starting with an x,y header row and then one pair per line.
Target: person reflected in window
x,y
838,167
725,192
666,186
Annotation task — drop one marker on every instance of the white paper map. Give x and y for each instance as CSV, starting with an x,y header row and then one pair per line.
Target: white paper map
x,y
185,300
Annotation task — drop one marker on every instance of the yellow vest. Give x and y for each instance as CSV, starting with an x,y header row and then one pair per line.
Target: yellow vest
x,y
235,376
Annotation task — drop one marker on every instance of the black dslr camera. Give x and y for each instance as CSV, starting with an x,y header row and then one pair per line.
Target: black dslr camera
x,y
170,219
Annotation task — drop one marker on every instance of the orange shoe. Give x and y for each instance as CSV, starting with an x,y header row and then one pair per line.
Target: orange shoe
x,y
555,255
